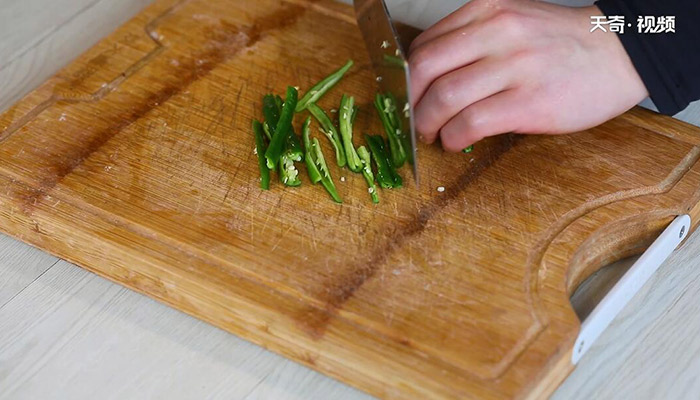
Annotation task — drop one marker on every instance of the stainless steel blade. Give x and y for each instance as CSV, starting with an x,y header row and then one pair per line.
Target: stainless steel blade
x,y
389,61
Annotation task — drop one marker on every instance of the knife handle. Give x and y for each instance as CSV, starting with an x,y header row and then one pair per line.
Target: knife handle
x,y
629,285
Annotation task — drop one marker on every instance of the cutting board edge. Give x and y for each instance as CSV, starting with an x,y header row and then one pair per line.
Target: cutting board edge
x,y
362,378
283,351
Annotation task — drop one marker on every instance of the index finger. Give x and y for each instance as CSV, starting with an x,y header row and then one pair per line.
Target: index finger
x,y
462,16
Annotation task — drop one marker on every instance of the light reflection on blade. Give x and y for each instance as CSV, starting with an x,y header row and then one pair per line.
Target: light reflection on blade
x,y
389,61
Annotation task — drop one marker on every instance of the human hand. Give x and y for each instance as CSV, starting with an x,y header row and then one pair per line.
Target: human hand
x,y
498,66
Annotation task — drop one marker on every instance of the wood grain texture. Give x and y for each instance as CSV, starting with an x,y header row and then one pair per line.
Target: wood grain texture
x,y
38,37
74,335
180,357
147,142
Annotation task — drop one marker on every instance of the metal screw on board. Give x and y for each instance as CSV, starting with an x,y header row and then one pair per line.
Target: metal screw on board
x,y
580,346
682,232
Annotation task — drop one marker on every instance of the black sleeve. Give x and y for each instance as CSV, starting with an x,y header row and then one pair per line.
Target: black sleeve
x,y
668,63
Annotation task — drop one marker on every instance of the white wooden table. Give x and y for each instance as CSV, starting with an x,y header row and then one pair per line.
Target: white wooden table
x,y
66,333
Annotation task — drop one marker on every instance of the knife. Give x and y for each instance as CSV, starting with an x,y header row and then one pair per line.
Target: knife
x,y
389,61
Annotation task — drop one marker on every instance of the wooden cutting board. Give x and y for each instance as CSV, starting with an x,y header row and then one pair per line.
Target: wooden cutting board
x,y
136,162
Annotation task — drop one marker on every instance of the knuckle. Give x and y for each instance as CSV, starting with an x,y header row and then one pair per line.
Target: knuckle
x,y
488,4
472,121
475,4
509,22
419,62
415,43
445,92
523,58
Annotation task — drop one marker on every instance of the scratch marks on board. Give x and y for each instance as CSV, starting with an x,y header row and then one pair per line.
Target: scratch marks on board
x,y
338,289
224,41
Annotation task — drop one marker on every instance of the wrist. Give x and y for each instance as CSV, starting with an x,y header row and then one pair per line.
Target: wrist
x,y
608,50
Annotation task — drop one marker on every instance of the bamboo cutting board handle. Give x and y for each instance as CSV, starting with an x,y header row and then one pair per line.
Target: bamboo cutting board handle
x,y
629,284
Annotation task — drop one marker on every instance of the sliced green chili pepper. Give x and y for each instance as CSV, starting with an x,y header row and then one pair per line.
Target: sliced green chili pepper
x,y
468,149
406,142
279,102
319,89
367,173
386,174
316,163
284,125
327,182
330,131
394,117
346,111
403,137
260,151
266,130
388,114
311,167
272,107
271,111
394,61
289,174
293,146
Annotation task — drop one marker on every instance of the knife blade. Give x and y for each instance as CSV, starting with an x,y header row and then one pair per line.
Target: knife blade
x,y
388,58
